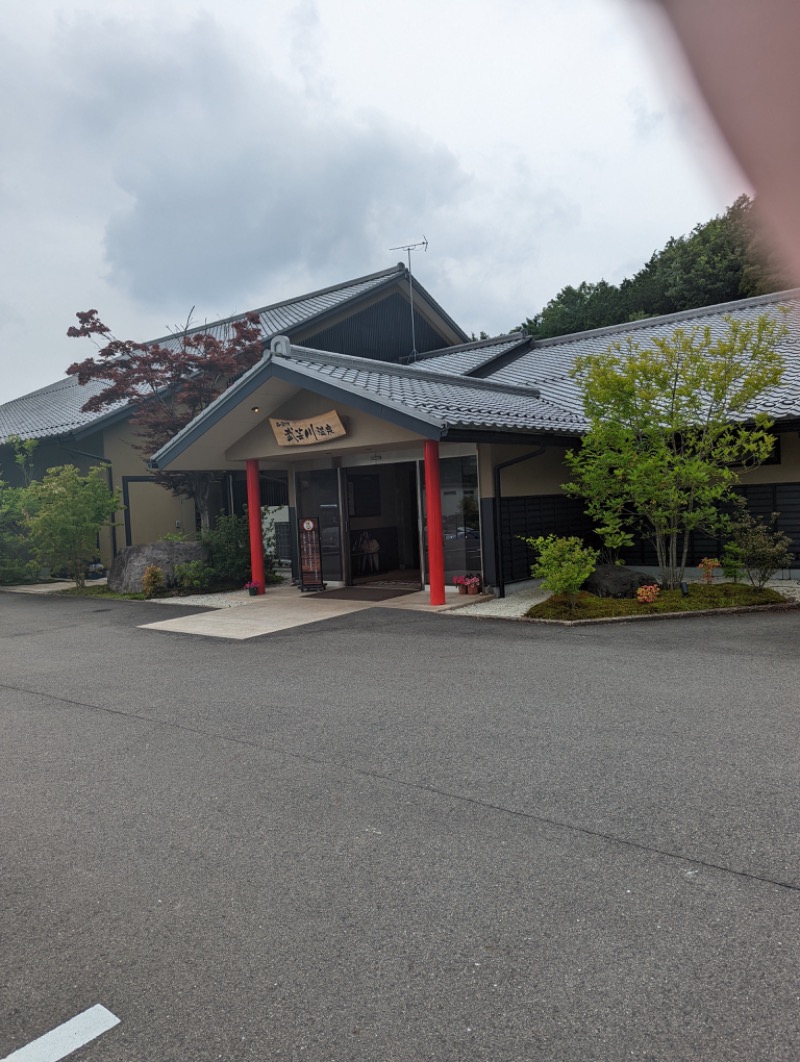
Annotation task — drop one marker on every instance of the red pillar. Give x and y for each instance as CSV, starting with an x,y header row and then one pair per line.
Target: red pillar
x,y
433,502
254,521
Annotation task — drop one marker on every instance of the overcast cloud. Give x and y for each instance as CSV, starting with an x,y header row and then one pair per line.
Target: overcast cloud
x,y
224,158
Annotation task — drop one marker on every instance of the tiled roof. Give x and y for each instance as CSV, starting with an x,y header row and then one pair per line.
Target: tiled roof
x,y
548,363
51,411
530,392
283,316
417,396
466,359
56,409
451,401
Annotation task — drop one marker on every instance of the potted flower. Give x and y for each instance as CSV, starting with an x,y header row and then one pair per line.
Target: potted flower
x,y
252,588
473,584
461,582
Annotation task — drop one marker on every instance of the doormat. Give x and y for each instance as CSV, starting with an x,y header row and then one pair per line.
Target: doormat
x,y
365,593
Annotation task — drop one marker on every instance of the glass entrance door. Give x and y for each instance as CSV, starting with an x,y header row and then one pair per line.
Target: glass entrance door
x,y
382,523
460,516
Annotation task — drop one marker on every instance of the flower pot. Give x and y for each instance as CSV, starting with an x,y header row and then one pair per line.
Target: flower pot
x,y
252,591
461,588
473,590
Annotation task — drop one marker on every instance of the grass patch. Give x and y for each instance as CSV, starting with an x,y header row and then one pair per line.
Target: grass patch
x,y
97,591
717,595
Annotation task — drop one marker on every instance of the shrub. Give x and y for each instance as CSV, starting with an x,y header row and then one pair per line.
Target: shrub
x,y
193,577
563,564
228,548
732,563
646,595
153,582
707,566
756,548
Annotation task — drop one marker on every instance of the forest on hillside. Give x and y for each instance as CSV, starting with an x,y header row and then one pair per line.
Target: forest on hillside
x,y
724,259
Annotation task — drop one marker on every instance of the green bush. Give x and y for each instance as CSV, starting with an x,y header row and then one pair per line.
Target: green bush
x,y
228,552
563,564
756,548
15,557
193,577
153,582
228,549
63,514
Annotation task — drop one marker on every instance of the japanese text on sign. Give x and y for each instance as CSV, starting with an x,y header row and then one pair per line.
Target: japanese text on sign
x,y
308,432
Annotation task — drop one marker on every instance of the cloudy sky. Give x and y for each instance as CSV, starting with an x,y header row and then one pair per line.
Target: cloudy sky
x,y
162,158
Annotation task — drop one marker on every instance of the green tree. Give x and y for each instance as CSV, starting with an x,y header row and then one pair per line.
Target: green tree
x,y
720,260
63,514
167,385
14,554
671,428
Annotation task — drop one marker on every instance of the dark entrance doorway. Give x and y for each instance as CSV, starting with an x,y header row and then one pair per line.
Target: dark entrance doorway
x,y
318,498
383,524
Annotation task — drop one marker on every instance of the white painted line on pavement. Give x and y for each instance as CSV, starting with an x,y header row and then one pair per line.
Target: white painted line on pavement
x,y
65,1039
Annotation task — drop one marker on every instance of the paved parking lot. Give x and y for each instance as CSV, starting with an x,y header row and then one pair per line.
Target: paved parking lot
x,y
394,836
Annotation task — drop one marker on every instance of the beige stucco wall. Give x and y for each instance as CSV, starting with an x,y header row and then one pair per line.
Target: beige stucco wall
x,y
788,471
153,511
540,475
363,430
546,474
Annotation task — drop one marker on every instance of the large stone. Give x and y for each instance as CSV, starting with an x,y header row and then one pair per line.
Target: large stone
x,y
129,566
614,580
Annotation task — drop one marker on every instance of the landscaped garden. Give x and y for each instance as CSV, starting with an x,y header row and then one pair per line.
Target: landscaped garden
x,y
698,597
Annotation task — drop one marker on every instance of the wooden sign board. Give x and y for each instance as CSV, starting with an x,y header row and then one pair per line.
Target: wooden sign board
x,y
309,432
310,555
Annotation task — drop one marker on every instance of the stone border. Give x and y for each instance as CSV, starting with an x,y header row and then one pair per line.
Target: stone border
x,y
789,606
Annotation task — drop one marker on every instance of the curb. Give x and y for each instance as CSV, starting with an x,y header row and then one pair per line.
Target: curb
x,y
789,606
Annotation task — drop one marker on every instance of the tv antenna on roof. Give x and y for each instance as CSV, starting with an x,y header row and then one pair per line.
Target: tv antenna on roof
x,y
408,248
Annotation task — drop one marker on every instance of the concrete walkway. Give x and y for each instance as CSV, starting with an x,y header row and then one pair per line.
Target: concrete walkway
x,y
283,607
238,616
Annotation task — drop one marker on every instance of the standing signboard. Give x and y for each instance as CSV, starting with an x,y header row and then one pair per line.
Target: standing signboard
x,y
310,555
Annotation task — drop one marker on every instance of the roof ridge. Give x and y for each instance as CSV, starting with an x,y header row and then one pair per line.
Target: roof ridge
x,y
407,371
678,315
396,270
474,344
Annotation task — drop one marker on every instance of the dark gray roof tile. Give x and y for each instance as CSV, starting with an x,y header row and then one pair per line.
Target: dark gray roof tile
x,y
51,411
56,409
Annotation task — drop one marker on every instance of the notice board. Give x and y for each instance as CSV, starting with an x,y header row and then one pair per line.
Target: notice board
x,y
310,555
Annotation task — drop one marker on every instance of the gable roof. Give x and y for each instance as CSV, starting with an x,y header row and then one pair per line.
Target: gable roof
x,y
56,409
432,404
281,318
502,385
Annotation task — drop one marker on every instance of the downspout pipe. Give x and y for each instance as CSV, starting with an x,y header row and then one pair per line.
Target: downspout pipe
x,y
110,474
498,540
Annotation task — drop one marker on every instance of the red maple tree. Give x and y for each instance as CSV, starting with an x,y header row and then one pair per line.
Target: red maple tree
x,y
167,384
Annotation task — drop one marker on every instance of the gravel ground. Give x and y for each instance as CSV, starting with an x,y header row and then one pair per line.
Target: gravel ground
x,y
511,607
231,599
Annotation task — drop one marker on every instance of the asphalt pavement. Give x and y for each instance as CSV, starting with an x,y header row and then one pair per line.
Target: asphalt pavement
x,y
394,836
